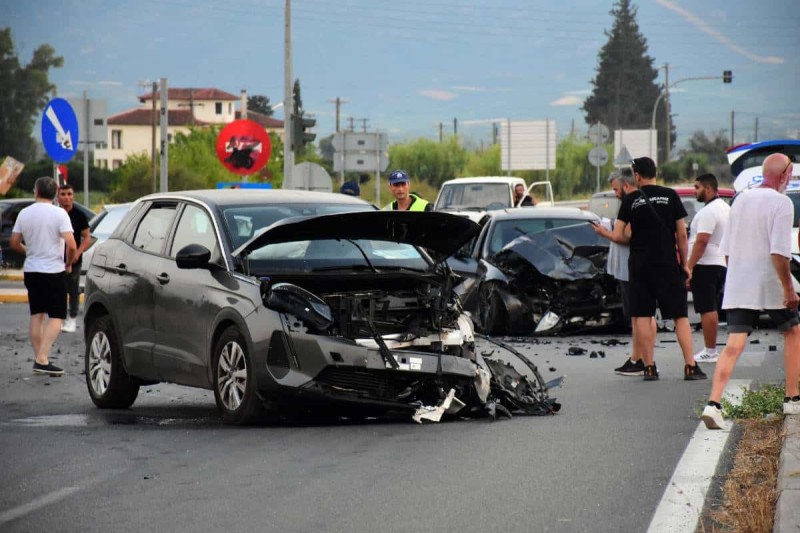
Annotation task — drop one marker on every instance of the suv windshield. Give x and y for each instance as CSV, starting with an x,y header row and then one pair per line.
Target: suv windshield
x,y
462,196
243,222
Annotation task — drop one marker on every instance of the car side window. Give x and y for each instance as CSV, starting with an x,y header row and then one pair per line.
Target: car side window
x,y
194,227
153,228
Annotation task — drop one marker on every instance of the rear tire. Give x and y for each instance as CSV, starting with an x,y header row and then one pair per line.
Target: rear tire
x,y
234,384
110,386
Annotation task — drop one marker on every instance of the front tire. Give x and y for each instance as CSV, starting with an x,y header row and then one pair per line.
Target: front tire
x,y
234,385
110,386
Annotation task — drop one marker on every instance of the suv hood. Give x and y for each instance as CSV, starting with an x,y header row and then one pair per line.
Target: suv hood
x,y
440,234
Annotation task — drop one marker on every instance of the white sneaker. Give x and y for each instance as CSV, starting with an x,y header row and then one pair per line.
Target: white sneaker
x,y
704,357
792,407
712,417
69,325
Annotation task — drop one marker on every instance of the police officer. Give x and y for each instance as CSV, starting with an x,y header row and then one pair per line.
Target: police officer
x,y
404,200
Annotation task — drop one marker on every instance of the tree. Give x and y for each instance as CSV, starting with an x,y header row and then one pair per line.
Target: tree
x,y
24,92
430,161
709,153
625,89
259,104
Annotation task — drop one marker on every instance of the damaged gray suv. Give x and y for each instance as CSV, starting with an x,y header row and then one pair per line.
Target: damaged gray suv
x,y
293,301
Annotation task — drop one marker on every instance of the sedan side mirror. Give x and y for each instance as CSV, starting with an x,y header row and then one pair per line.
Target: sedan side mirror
x,y
193,256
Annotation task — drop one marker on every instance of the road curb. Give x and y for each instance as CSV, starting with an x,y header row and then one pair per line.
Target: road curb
x,y
787,508
18,296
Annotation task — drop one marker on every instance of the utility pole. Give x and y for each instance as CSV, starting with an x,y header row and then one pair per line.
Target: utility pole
x,y
86,144
756,134
351,119
669,112
288,98
164,136
338,101
455,127
364,123
441,133
153,135
732,130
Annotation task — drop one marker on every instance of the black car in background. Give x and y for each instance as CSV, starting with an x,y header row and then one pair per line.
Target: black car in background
x,y
291,300
9,210
538,271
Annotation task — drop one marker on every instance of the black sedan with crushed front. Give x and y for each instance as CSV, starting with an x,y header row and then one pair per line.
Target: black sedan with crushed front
x,y
537,271
293,301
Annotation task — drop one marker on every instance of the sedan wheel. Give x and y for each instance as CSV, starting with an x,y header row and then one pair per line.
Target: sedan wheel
x,y
234,386
109,384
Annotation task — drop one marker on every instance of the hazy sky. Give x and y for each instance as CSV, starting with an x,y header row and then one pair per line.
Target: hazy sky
x,y
408,65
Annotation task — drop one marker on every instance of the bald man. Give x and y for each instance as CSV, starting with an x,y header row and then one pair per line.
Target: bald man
x,y
758,246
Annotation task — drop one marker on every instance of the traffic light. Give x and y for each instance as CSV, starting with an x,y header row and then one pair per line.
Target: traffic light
x,y
727,76
299,134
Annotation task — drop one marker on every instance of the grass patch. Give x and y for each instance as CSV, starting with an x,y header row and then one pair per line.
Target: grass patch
x,y
767,400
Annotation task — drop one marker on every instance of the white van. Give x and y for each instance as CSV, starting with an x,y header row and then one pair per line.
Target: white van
x,y
472,197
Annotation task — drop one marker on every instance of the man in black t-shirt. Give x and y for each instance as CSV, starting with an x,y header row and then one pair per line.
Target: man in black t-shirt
x,y
80,229
657,264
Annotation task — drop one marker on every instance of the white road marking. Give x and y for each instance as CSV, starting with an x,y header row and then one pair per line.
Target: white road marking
x,y
680,507
47,499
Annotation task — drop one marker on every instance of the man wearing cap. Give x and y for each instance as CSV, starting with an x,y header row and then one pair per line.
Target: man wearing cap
x,y
404,200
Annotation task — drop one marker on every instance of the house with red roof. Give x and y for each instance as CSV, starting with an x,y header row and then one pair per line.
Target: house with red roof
x,y
130,132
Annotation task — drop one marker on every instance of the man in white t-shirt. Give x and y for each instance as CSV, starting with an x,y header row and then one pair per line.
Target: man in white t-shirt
x,y
758,246
46,232
707,265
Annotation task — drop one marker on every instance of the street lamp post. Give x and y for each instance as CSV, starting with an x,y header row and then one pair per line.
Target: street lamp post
x,y
666,91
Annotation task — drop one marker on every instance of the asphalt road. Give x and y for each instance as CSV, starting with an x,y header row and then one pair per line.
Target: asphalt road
x,y
167,463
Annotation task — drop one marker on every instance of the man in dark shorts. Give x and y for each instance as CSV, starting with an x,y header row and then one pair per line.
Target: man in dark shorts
x,y
80,230
45,230
758,245
657,264
707,265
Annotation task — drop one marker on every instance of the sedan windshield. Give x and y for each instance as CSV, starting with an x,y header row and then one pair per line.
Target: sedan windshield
x,y
506,231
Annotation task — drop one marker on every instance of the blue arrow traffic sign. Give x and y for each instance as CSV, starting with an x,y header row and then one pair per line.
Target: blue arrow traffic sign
x,y
60,130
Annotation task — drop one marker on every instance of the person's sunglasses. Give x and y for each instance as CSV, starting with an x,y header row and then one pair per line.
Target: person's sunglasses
x,y
787,167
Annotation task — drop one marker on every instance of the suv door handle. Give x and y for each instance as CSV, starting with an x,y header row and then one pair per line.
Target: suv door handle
x,y
163,278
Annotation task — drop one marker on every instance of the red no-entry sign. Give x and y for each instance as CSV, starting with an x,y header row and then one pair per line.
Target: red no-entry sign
x,y
243,147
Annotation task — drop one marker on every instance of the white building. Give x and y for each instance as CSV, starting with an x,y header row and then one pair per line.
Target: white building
x,y
130,132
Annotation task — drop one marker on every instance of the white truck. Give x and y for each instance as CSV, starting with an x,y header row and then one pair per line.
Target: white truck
x,y
472,197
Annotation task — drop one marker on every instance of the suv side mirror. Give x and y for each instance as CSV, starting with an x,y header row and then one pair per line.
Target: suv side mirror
x,y
193,256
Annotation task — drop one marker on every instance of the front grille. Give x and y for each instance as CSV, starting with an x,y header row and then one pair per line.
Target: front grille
x,y
372,383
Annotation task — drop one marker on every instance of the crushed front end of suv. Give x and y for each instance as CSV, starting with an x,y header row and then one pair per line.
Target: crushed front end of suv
x,y
294,302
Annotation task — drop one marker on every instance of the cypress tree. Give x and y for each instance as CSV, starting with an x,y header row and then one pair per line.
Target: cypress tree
x,y
625,87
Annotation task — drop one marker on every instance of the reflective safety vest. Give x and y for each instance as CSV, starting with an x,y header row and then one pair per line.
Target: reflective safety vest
x,y
417,204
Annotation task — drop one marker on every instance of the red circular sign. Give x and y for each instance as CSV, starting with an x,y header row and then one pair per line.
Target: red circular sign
x,y
243,147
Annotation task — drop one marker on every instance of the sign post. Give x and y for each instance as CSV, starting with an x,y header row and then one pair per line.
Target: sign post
x,y
598,156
